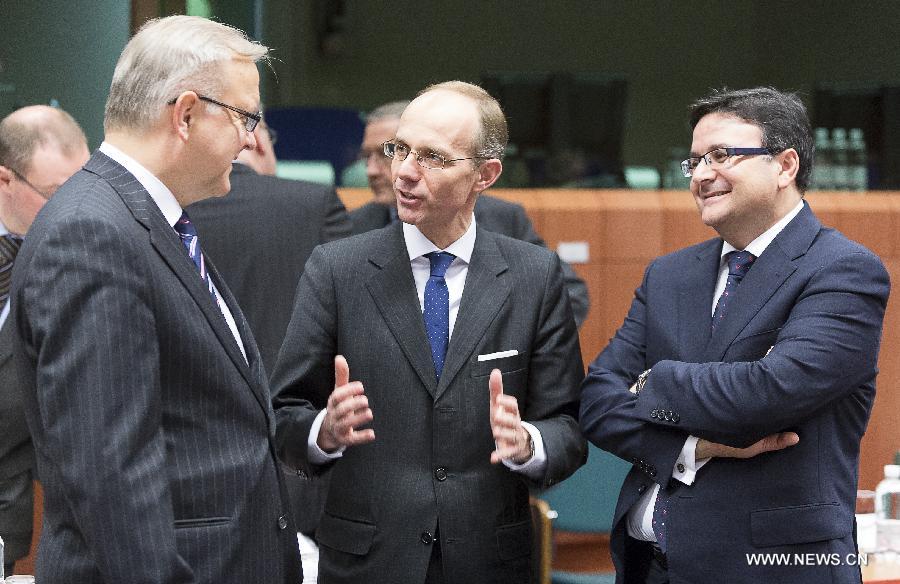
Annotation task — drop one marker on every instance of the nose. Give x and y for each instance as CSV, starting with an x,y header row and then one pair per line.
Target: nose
x,y
407,169
375,164
249,141
703,172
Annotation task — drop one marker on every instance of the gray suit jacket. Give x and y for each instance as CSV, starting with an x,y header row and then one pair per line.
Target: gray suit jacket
x,y
429,470
16,458
494,215
260,236
154,437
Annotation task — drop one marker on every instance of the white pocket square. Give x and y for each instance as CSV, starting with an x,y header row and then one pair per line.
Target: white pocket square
x,y
498,355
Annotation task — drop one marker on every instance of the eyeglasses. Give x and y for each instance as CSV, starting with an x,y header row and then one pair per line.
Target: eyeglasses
x,y
27,182
250,119
428,160
716,157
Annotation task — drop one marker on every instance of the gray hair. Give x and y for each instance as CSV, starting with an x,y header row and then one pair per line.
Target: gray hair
x,y
490,142
27,129
393,109
166,57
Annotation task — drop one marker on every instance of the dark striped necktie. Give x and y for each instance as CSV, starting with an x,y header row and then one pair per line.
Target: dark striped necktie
x,y
188,234
9,247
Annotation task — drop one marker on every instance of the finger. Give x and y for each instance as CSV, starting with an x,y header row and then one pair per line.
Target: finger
x,y
361,437
787,439
505,452
341,371
495,383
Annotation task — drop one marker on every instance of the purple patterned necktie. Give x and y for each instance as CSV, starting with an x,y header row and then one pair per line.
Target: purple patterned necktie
x,y
9,247
739,262
188,234
437,308
660,516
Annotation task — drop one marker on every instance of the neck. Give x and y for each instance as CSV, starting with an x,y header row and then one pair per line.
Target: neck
x,y
155,151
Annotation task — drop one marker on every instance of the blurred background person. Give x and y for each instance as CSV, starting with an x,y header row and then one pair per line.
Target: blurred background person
x,y
491,213
40,148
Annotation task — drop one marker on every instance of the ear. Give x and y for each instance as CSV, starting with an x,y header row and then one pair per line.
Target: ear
x,y
6,177
183,111
789,166
488,173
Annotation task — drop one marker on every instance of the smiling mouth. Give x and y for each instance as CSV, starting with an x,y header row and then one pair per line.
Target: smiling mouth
x,y
407,197
714,195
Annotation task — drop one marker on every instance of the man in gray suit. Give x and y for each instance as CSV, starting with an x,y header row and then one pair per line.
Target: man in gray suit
x,y
40,147
465,361
284,221
491,213
144,390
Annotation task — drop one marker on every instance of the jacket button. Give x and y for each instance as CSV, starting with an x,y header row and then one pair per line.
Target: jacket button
x,y
675,417
440,474
667,415
282,522
653,414
680,467
427,538
641,489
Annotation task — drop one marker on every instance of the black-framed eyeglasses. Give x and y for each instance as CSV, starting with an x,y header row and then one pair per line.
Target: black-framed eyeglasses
x,y
716,157
250,119
429,160
31,186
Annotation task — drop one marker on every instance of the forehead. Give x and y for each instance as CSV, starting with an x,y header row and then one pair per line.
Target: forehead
x,y
718,129
440,119
51,166
242,82
380,130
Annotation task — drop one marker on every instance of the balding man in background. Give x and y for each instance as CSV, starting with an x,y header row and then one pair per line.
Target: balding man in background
x,y
40,148
491,213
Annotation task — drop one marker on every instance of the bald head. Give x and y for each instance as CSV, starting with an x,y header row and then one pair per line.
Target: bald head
x,y
26,130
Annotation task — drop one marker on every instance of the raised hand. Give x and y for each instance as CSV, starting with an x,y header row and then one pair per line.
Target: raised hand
x,y
513,442
347,409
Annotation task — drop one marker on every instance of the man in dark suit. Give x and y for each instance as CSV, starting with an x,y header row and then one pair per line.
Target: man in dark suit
x,y
742,380
144,390
40,147
491,213
289,219
432,449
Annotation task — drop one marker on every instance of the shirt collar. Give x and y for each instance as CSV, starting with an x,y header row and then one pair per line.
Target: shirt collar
x,y
759,245
3,229
418,245
159,192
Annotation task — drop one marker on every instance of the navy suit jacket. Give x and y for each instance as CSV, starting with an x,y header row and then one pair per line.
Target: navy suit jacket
x,y
797,351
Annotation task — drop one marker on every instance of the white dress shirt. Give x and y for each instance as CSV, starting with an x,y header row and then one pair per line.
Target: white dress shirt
x,y
4,310
640,517
417,245
171,210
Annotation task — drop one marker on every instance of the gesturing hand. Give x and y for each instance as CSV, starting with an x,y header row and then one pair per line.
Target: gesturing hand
x,y
512,439
347,408
779,441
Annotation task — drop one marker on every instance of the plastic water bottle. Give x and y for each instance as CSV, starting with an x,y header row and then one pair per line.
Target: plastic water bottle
x,y
840,169
822,178
857,161
887,509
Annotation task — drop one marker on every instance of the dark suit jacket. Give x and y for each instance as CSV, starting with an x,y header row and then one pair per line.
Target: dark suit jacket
x,y
796,351
429,466
494,215
260,236
154,437
16,458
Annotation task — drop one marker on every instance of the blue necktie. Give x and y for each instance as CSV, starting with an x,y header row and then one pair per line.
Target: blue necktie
x,y
188,234
739,262
437,308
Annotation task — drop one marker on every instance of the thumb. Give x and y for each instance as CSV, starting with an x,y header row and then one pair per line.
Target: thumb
x,y
496,384
341,371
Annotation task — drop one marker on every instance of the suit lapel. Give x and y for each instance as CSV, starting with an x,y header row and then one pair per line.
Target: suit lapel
x,y
768,273
394,291
169,246
695,293
484,293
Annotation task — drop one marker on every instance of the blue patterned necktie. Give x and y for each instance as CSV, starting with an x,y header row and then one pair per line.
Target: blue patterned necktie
x,y
437,308
660,516
739,262
188,234
9,247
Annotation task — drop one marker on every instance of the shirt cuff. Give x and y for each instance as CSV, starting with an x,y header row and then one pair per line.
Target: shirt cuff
x,y
535,466
687,465
315,454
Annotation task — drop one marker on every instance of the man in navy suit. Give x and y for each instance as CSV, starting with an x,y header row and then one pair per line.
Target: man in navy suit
x,y
743,377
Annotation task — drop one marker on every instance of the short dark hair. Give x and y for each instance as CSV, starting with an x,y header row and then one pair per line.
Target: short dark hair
x,y
781,116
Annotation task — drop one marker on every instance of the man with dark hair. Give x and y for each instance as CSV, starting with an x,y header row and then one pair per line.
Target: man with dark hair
x,y
40,148
465,365
742,380
491,213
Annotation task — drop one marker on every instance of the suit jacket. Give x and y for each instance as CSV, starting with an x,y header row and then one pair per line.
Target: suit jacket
x,y
429,470
494,215
260,236
796,351
16,458
154,437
